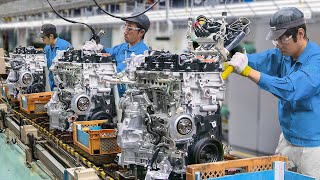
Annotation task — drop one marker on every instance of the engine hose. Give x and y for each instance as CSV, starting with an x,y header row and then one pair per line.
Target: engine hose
x,y
154,157
63,101
236,41
155,134
122,116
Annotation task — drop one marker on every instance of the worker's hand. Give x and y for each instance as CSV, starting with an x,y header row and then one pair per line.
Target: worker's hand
x,y
91,47
240,63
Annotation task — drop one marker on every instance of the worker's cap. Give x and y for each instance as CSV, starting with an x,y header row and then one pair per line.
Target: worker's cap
x,y
142,20
47,29
284,19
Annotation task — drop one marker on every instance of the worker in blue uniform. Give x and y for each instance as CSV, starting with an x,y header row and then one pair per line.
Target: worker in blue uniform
x,y
291,72
134,31
49,36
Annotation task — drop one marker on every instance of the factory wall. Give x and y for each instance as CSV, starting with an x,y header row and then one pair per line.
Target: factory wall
x,y
253,122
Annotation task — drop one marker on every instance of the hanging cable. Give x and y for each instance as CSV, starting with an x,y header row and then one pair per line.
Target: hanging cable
x,y
126,17
94,35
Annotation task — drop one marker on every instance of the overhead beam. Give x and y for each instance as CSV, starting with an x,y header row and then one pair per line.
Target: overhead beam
x,y
26,7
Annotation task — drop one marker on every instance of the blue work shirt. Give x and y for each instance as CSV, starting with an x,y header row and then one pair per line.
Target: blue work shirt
x,y
298,88
61,44
122,52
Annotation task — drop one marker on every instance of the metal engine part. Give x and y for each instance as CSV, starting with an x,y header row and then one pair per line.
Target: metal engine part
x,y
27,71
171,109
83,91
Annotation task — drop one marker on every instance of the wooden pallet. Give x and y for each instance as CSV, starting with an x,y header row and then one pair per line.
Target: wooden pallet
x,y
219,169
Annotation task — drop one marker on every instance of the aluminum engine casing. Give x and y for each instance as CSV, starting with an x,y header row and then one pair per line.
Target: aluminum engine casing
x,y
171,109
83,89
164,105
26,73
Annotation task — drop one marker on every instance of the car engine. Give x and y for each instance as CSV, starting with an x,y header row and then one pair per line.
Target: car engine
x,y
83,92
171,108
26,73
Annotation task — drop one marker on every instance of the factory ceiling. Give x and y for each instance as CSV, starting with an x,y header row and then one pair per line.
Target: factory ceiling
x,y
25,7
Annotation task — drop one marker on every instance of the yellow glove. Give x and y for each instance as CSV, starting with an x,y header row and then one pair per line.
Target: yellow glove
x,y
240,63
246,71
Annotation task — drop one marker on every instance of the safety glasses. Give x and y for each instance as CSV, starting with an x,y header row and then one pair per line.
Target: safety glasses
x,y
44,37
127,28
283,40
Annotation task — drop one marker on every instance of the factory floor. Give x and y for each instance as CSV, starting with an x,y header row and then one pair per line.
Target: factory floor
x,y
13,166
246,153
239,151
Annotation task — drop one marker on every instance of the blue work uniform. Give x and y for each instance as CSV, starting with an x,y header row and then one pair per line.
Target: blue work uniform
x,y
297,85
61,44
122,52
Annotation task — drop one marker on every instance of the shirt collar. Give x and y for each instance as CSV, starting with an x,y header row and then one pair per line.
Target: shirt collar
x,y
305,53
57,45
135,47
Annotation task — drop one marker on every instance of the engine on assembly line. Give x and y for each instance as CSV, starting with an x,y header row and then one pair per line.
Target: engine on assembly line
x,y
26,73
83,91
171,114
171,108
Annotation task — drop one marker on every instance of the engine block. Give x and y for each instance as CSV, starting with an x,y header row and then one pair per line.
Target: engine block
x,y
83,91
171,109
173,105
27,71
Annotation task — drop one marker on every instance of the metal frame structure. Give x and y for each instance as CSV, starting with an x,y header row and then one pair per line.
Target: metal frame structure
x,y
251,9
27,7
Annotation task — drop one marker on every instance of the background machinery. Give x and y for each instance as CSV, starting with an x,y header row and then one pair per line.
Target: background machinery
x,y
26,73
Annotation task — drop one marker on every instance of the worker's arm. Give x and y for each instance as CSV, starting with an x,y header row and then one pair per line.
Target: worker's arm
x,y
268,62
254,76
240,63
300,84
114,50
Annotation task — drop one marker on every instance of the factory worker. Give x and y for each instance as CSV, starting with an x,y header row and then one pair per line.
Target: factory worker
x,y
291,72
49,36
134,30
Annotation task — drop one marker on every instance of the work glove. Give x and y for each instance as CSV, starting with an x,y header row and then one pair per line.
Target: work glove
x,y
91,47
240,63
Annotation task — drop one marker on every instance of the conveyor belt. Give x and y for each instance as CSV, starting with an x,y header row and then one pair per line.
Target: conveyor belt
x,y
105,171
61,144
102,172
